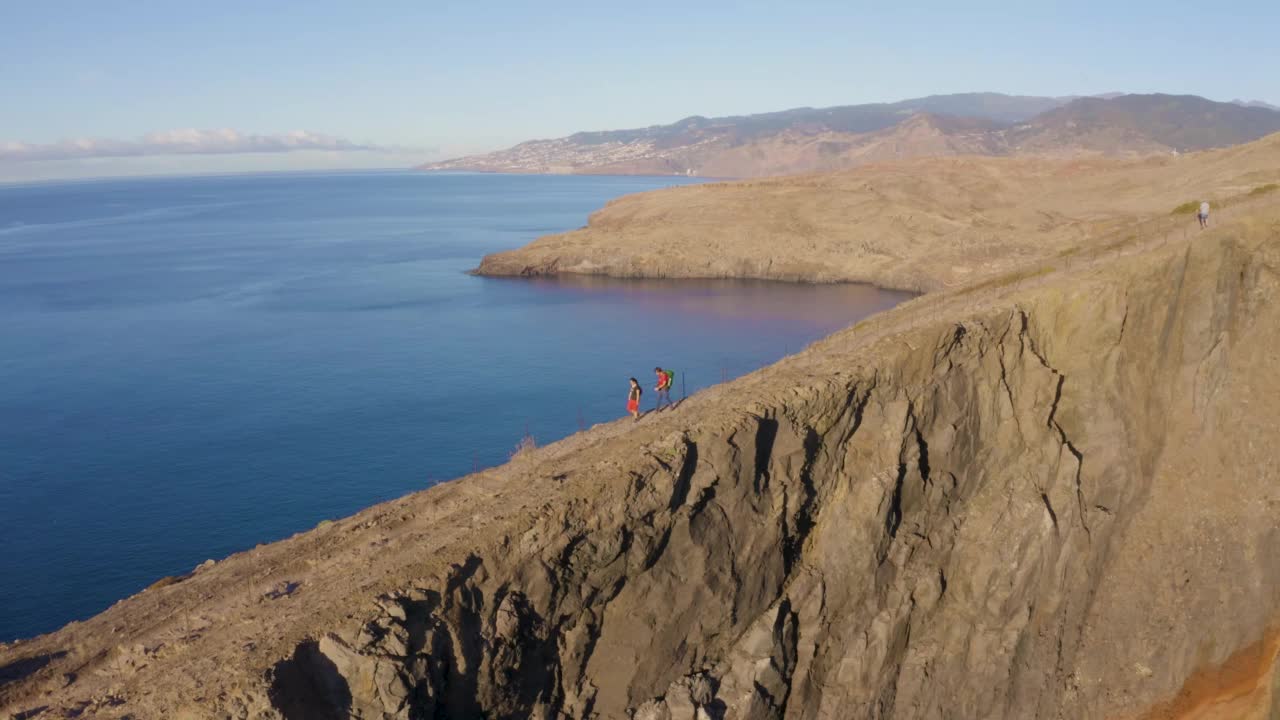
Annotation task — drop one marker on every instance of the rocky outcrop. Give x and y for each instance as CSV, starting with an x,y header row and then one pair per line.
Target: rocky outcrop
x,y
1050,498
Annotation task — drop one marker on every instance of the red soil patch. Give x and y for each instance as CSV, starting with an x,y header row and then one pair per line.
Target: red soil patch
x,y
1238,689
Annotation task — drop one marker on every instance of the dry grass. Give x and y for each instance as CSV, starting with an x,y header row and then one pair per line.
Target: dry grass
x,y
167,580
1008,279
921,224
525,445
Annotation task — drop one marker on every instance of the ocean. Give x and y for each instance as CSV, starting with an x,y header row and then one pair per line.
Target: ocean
x,y
193,366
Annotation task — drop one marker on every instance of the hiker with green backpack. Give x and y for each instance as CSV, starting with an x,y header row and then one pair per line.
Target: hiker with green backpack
x,y
665,380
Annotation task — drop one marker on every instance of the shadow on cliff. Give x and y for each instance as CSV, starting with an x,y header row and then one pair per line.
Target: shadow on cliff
x,y
26,667
308,686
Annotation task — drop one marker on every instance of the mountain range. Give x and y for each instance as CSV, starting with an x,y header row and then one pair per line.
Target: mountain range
x,y
818,139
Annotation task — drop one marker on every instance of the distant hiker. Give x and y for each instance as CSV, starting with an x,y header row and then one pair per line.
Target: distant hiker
x,y
1203,215
633,399
665,378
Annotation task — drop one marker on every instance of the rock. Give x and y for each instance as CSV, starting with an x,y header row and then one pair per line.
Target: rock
x,y
680,703
283,589
652,710
701,689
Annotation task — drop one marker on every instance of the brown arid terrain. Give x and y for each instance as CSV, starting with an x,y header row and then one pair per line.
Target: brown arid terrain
x,y
926,224
1046,489
920,135
825,139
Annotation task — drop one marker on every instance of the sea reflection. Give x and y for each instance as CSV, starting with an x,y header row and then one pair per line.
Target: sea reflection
x,y
818,305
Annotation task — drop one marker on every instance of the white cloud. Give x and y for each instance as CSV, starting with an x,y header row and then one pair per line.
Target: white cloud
x,y
179,142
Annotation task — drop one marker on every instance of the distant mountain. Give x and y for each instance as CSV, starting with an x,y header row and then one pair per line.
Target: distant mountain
x,y
809,139
999,108
1143,123
1257,104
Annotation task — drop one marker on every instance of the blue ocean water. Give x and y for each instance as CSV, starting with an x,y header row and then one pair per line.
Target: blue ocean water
x,y
189,367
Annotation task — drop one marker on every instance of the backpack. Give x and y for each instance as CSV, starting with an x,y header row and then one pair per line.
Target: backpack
x,y
671,378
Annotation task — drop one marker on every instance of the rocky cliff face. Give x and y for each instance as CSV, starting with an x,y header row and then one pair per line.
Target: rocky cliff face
x,y
1054,498
966,531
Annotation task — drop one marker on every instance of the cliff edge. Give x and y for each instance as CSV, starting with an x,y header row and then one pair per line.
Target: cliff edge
x,y
1051,494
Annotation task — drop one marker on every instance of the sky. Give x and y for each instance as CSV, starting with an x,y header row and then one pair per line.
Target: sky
x,y
96,88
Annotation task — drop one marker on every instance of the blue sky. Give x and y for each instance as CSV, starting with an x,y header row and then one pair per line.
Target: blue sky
x,y
421,80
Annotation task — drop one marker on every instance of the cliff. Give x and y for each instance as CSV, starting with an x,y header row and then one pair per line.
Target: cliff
x,y
1052,494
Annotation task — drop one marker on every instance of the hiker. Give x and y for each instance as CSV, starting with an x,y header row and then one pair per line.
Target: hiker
x,y
633,399
665,378
1204,215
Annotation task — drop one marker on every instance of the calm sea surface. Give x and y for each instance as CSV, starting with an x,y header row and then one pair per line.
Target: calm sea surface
x,y
189,367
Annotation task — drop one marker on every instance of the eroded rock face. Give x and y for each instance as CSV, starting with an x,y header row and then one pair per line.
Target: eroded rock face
x,y
939,538
1057,504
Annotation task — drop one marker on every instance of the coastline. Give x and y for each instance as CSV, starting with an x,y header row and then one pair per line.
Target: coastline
x,y
1011,461
277,610
554,271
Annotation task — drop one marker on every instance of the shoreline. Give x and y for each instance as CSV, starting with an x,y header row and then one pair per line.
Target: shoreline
x,y
914,291
694,179
570,276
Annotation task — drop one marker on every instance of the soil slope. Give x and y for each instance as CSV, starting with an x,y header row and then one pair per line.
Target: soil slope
x,y
922,225
1050,494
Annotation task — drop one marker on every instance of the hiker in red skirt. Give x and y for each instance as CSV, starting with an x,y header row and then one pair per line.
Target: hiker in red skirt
x,y
633,399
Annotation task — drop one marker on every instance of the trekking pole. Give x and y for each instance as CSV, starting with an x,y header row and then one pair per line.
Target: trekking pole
x,y
683,394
